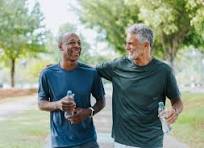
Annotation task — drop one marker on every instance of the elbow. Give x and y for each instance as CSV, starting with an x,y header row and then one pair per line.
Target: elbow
x,y
101,104
41,105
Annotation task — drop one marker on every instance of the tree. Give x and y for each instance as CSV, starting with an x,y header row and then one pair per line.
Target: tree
x,y
177,23
22,32
107,19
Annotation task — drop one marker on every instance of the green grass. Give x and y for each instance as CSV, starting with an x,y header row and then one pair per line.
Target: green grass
x,y
25,130
189,128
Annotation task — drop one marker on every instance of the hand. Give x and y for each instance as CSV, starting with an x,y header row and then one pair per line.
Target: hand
x,y
80,114
66,104
171,116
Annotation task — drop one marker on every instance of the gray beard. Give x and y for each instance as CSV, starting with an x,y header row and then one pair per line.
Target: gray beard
x,y
130,57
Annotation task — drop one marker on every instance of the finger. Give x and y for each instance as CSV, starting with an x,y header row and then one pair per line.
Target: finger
x,y
172,119
68,106
68,103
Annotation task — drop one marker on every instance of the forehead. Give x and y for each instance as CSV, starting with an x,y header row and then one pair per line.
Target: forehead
x,y
69,37
131,37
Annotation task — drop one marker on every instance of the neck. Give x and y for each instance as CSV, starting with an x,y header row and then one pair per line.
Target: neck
x,y
68,65
142,61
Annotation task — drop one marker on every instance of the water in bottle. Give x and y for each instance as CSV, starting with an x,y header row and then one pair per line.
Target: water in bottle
x,y
161,113
70,97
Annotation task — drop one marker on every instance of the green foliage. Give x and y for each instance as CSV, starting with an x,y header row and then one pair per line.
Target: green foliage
x,y
32,72
22,33
111,17
176,23
21,29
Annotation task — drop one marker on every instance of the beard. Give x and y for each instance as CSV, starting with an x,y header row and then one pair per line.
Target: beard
x,y
130,57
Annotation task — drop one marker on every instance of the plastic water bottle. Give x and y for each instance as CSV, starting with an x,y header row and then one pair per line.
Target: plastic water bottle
x,y
70,98
161,113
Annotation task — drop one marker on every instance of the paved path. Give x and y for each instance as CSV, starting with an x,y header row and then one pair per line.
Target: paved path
x,y
14,106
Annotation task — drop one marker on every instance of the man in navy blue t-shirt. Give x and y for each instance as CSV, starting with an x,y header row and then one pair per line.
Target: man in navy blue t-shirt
x,y
77,131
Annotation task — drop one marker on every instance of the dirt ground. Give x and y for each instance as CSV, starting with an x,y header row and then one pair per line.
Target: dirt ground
x,y
14,92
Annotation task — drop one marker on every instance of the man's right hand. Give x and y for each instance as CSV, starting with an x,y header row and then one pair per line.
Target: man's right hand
x,y
66,104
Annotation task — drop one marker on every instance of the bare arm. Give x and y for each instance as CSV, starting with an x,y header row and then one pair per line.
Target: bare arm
x,y
48,106
177,104
56,105
99,105
177,107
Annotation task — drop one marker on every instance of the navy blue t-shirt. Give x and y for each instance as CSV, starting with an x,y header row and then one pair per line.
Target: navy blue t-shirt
x,y
82,81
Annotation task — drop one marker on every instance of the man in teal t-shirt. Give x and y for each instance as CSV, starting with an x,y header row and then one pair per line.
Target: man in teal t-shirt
x,y
140,82
78,130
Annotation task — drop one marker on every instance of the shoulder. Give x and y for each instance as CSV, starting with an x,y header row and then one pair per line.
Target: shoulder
x,y
50,69
114,63
164,66
87,68
121,60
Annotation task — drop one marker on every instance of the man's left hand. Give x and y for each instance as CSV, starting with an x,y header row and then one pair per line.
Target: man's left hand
x,y
171,116
79,115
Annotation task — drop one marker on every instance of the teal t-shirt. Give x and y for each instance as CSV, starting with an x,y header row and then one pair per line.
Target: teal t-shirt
x,y
136,93
54,83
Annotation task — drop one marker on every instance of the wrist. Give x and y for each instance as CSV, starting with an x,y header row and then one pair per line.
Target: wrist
x,y
176,111
56,105
92,112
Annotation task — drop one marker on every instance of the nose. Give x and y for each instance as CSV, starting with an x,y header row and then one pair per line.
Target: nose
x,y
127,47
76,44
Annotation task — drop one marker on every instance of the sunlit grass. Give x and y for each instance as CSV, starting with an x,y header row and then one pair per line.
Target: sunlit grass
x,y
189,128
25,130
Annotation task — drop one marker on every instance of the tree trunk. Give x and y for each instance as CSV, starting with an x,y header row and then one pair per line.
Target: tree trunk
x,y
12,72
171,60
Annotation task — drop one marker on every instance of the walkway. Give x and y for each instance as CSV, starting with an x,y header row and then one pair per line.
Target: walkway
x,y
14,106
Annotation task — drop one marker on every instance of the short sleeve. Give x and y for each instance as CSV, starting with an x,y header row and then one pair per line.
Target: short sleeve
x,y
105,70
172,90
43,89
97,88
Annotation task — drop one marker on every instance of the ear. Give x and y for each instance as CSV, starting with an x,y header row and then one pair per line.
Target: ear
x,y
146,45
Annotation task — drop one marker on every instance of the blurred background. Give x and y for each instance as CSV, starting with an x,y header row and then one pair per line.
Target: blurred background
x,y
29,30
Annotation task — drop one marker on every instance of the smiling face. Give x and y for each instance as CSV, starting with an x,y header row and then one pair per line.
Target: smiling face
x,y
136,49
70,47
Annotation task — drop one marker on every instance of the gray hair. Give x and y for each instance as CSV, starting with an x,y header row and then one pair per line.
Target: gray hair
x,y
144,33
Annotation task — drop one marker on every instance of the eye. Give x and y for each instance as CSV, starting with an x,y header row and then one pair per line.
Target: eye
x,y
71,43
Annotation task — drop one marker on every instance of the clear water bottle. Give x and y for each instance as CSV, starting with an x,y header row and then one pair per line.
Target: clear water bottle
x,y
70,98
162,114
